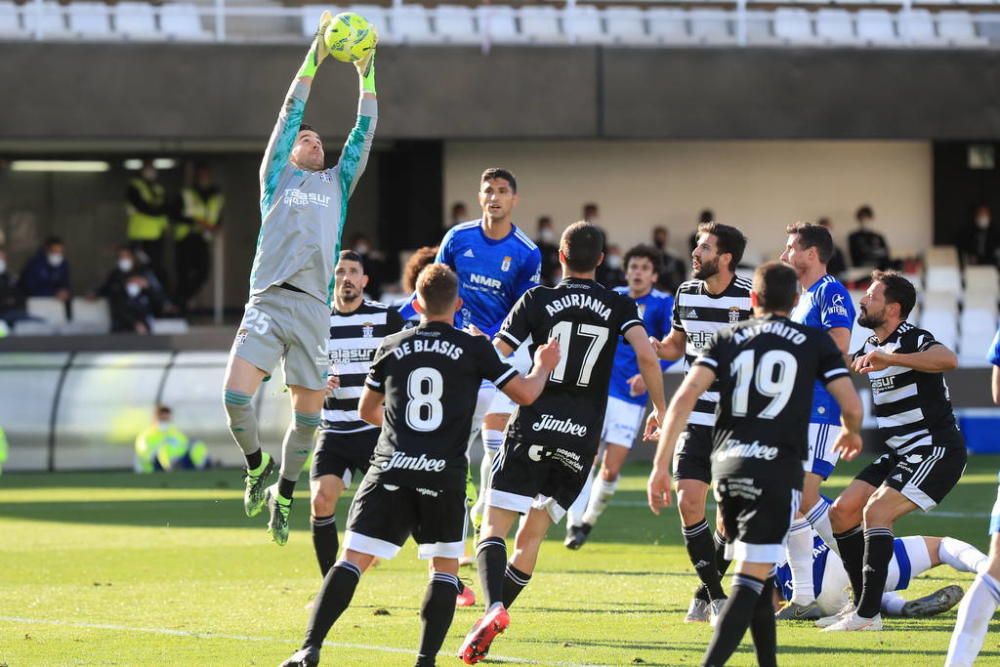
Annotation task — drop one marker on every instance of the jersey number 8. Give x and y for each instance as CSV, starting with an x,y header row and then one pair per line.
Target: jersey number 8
x,y
424,388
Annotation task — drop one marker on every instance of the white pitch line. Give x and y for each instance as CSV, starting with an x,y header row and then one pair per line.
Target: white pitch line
x,y
934,514
245,638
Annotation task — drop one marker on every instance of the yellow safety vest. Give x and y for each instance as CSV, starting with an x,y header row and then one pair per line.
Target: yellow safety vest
x,y
156,444
209,210
3,446
143,227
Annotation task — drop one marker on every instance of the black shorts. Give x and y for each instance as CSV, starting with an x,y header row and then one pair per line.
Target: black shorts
x,y
924,475
693,454
757,514
382,516
528,475
342,454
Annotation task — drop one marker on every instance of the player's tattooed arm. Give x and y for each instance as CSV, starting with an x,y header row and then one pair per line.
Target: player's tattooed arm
x,y
671,347
371,406
697,382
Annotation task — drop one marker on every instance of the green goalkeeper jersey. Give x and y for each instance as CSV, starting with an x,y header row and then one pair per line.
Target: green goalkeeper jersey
x,y
303,212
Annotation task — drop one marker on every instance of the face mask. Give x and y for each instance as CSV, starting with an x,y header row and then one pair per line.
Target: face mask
x,y
614,262
149,174
55,259
133,290
124,265
3,266
983,221
164,425
361,249
547,236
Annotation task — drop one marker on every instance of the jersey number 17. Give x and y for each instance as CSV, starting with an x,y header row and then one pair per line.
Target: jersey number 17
x,y
593,335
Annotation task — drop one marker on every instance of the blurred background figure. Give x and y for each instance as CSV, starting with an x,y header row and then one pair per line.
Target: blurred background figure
x,y
548,244
163,446
11,299
706,215
611,272
47,273
978,242
146,206
837,265
867,247
459,213
133,308
591,213
374,263
673,270
201,214
420,258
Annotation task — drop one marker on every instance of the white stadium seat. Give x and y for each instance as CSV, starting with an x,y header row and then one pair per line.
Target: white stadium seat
x,y
944,279
34,328
498,24
876,26
10,21
793,25
53,20
958,29
540,24
668,25
456,24
89,317
169,326
181,22
943,324
982,280
89,20
136,20
627,25
760,27
711,26
941,255
583,25
47,308
917,26
980,301
835,26
411,24
941,301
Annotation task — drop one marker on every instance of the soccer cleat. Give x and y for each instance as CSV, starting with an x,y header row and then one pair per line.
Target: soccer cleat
x,y
793,611
855,623
307,657
577,535
466,598
937,602
827,621
279,507
715,611
698,612
477,642
253,497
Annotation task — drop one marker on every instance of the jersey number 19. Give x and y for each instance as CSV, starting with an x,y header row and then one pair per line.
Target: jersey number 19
x,y
774,378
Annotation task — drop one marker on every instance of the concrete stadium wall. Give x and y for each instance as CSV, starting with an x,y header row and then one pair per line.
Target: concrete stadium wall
x,y
759,186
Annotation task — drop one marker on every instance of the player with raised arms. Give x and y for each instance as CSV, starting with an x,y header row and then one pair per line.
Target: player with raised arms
x,y
764,371
303,210
421,390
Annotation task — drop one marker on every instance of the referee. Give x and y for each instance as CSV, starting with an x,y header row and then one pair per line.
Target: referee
x,y
346,442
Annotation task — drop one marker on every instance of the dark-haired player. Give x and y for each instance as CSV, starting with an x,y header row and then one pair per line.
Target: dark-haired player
x,y
627,395
549,445
715,300
421,390
764,371
926,457
303,210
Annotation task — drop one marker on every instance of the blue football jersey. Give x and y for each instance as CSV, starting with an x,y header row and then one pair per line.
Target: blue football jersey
x,y
821,553
656,309
825,305
492,274
994,356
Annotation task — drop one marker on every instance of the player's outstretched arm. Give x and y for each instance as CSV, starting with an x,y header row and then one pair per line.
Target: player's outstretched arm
x,y
697,382
935,359
354,156
652,377
279,146
996,385
525,390
371,406
848,444
671,348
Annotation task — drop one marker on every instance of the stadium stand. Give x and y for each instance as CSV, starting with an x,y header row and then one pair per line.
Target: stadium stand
x,y
136,21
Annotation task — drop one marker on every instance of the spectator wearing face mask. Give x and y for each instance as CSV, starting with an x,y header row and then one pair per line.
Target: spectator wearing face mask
x,y
163,446
979,241
11,299
146,205
132,310
374,263
673,269
867,247
613,273
47,273
548,245
126,263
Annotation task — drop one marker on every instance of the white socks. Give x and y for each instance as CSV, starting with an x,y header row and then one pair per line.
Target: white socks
x,y
600,496
800,560
974,616
492,440
819,518
574,517
962,556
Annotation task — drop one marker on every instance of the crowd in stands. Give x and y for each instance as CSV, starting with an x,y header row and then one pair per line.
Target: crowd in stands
x,y
135,287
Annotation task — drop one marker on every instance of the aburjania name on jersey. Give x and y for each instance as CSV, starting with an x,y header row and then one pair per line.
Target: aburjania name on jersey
x,y
579,301
449,350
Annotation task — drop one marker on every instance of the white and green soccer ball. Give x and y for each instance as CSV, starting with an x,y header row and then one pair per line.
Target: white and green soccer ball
x,y
349,37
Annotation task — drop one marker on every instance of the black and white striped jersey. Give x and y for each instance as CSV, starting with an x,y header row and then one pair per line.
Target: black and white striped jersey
x,y
354,337
913,408
700,314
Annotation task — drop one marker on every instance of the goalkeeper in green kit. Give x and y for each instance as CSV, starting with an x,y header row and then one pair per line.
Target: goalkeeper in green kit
x,y
303,208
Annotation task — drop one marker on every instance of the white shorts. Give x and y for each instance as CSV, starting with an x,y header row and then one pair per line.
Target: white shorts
x,y
502,404
523,504
822,458
487,392
622,420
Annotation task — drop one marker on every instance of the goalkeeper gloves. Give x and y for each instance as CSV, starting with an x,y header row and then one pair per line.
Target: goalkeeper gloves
x,y
317,50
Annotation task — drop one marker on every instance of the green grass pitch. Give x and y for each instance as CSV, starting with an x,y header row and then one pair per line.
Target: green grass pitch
x,y
118,569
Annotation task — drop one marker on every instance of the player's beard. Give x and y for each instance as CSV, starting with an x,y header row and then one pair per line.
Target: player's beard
x,y
870,321
348,293
707,270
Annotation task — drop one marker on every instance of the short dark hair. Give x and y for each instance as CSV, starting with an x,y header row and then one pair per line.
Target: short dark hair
x,y
728,238
420,258
864,211
813,236
53,240
897,290
437,288
308,128
647,252
163,408
706,216
351,256
582,244
775,285
500,172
